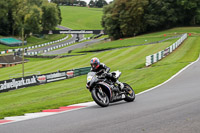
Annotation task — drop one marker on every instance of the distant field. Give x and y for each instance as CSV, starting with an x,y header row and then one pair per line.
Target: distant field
x,y
81,17
130,61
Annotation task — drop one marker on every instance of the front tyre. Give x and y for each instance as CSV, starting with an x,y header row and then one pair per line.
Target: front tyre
x,y
100,97
130,94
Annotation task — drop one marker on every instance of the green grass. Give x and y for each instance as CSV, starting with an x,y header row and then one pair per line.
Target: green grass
x,y
123,43
178,30
81,18
68,63
142,39
37,59
130,61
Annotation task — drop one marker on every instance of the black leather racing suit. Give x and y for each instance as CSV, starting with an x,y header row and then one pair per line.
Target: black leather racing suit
x,y
102,69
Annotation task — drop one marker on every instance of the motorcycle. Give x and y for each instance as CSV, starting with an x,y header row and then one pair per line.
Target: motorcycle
x,y
104,91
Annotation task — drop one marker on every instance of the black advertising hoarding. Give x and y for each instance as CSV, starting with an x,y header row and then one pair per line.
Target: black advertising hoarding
x,y
17,83
41,79
51,77
70,74
73,32
166,51
55,76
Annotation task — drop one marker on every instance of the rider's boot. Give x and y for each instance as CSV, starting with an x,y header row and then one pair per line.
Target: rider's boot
x,y
121,85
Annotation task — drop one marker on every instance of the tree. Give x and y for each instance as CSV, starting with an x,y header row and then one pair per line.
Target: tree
x,y
20,10
83,3
29,15
70,2
160,14
50,17
99,3
123,18
191,11
32,20
91,3
4,13
131,17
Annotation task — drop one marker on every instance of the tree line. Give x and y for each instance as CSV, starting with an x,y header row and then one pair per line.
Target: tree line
x,y
31,15
92,3
70,2
127,18
97,3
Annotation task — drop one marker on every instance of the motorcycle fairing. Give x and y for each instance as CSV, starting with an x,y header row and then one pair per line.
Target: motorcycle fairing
x,y
107,86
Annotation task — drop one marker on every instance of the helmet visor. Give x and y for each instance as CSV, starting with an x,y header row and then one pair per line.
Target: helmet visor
x,y
94,65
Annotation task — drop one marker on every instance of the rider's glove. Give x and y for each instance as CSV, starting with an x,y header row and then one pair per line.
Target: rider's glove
x,y
108,75
101,71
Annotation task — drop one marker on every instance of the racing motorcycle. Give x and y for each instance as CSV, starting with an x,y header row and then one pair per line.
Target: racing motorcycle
x,y
104,91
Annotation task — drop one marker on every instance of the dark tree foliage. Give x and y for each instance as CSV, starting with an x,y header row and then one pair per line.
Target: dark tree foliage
x,y
4,16
160,14
100,3
189,12
92,3
31,15
70,2
125,18
97,3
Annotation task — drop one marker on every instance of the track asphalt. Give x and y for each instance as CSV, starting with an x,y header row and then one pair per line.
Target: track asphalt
x,y
173,107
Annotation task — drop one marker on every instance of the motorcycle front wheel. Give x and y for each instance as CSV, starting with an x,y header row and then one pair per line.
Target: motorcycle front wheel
x,y
100,97
130,94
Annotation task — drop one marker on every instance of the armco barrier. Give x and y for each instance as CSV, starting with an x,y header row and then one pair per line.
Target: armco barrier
x,y
54,47
81,71
42,45
161,54
32,47
27,81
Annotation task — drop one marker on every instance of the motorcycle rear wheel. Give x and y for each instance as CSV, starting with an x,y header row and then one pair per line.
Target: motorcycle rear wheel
x,y
101,98
130,94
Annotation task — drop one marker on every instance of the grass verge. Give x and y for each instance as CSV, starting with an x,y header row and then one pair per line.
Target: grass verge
x,y
130,61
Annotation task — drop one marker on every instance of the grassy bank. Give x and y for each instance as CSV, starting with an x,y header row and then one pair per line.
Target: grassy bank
x,y
81,18
52,65
128,60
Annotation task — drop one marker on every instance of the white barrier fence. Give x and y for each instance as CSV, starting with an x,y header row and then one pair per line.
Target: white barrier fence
x,y
42,45
32,47
151,59
54,47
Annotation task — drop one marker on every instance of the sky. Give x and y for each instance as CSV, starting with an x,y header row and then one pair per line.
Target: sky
x,y
94,0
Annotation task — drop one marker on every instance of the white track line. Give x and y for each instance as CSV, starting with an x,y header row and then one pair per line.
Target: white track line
x,y
87,104
169,78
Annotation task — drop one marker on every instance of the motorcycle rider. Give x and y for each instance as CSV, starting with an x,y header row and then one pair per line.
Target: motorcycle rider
x,y
101,68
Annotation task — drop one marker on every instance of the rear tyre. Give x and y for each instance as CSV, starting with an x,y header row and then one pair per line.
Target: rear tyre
x,y
100,97
130,94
